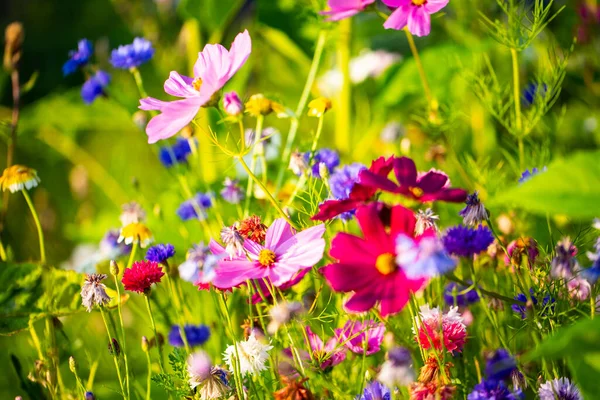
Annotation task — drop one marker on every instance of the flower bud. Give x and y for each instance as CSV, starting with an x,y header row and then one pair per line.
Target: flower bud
x,y
114,268
318,107
145,344
13,39
232,104
140,119
72,365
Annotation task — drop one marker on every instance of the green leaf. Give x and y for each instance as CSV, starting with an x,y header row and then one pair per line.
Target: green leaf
x,y
570,186
178,362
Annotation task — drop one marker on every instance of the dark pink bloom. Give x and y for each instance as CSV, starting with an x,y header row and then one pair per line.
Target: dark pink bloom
x,y
424,187
142,274
341,9
414,13
283,255
359,195
325,354
361,337
439,330
214,67
367,266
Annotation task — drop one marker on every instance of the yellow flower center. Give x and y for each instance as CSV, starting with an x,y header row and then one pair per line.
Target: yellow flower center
x,y
386,263
416,191
197,83
418,2
266,258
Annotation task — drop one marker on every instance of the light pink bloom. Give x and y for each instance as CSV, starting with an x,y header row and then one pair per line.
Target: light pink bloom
x,y
325,354
214,67
361,337
341,9
414,13
282,256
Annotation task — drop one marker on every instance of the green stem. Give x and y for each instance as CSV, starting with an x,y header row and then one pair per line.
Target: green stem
x,y
134,247
156,340
138,81
257,138
178,312
123,343
149,378
37,225
422,75
114,353
342,112
517,99
495,295
236,367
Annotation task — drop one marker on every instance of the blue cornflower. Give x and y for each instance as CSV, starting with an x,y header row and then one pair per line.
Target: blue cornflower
x,y
79,57
559,389
375,391
195,208
522,309
425,258
94,86
160,253
178,153
500,365
196,335
532,90
455,294
132,55
110,246
466,242
90,396
341,182
497,390
232,192
329,157
526,175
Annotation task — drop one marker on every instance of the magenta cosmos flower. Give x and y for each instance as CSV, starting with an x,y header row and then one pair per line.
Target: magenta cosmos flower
x,y
414,14
280,259
367,266
424,187
214,67
326,355
361,337
340,9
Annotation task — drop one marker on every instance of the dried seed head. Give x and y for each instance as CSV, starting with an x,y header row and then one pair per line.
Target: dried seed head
x,y
13,40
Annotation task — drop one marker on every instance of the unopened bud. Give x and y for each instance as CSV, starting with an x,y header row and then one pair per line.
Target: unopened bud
x,y
145,344
72,365
114,268
140,119
232,104
318,107
13,40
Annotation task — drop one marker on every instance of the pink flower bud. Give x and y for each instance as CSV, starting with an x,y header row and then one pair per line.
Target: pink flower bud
x,y
232,104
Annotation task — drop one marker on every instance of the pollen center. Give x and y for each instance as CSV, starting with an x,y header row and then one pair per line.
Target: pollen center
x,y
386,263
419,2
266,258
416,191
197,83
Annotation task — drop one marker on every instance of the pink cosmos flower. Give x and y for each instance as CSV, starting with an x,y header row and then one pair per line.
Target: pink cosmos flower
x,y
280,259
328,354
361,337
440,330
414,13
214,67
367,266
341,9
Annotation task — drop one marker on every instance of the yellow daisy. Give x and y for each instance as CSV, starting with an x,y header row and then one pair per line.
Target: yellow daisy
x,y
136,232
19,177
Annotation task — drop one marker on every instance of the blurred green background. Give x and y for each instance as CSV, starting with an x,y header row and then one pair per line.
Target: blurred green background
x,y
91,159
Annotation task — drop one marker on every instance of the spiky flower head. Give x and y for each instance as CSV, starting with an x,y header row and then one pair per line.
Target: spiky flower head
x,y
564,262
160,253
426,220
140,277
466,242
559,389
474,213
252,228
93,291
19,177
293,390
232,192
136,232
253,355
439,330
234,242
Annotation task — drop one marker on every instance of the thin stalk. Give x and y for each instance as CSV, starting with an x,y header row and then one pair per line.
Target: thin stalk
x,y
114,353
132,254
149,378
37,225
495,295
16,94
123,344
178,313
138,81
342,112
236,367
517,99
422,75
257,138
158,346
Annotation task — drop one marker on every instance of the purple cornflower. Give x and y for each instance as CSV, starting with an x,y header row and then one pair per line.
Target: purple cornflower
x,y
564,262
361,337
232,192
195,259
329,157
522,309
489,389
196,335
195,208
78,58
527,175
375,391
341,182
160,253
132,55
176,154
421,258
94,86
500,365
559,389
466,242
458,295
474,213
110,246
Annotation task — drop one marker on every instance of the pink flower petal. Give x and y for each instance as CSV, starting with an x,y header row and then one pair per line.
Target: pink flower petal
x,y
281,273
180,85
403,221
371,226
361,302
432,181
253,248
419,22
346,277
346,247
314,341
239,52
232,273
215,247
278,232
397,20
368,178
405,171
175,116
433,6
396,3
305,248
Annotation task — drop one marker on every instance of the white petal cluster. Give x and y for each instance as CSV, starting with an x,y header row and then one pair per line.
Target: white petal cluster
x,y
253,356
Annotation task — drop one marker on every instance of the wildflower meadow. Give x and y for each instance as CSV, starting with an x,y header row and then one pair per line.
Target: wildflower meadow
x,y
300,199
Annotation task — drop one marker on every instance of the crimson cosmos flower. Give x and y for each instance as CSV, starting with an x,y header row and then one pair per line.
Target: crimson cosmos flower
x,y
141,276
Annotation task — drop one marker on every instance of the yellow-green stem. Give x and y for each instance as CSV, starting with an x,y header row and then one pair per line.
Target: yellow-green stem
x,y
123,340
138,81
114,353
156,339
422,75
257,138
178,312
149,378
517,99
342,112
236,367
38,225
134,247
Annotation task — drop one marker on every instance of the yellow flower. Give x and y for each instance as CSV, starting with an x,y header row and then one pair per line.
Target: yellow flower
x,y
19,177
136,232
258,104
318,107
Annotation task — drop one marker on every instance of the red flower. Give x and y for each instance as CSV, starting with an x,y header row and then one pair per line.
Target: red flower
x,y
141,276
359,195
424,187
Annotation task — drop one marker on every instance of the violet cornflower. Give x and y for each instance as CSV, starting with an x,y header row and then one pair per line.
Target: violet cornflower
x,y
78,58
177,153
341,182
564,263
424,257
466,242
330,158
160,253
559,389
413,13
500,365
522,309
132,55
527,175
195,208
196,335
458,295
361,337
375,391
94,86
232,192
491,389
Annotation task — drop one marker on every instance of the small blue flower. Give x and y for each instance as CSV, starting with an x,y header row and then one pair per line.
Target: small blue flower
x,y
329,157
94,86
522,309
232,192
196,335
532,90
427,258
341,182
466,242
132,55
455,294
375,391
559,389
160,253
176,154
500,365
489,389
527,175
89,396
195,208
110,246
79,57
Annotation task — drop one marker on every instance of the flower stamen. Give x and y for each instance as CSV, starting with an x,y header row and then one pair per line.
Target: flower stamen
x,y
386,263
266,258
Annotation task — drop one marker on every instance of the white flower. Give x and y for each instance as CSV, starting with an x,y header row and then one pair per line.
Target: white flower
x,y
199,367
252,353
281,314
